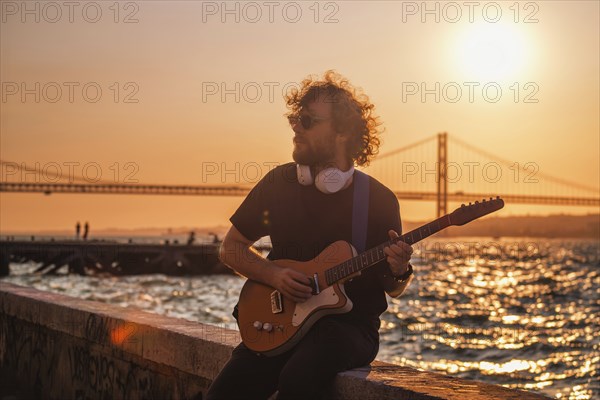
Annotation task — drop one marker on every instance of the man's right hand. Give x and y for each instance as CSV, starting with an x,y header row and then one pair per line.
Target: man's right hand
x,y
236,253
292,284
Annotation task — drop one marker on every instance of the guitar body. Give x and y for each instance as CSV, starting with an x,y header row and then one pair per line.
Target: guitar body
x,y
271,324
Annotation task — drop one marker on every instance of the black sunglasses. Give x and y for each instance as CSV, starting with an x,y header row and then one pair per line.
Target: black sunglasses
x,y
305,120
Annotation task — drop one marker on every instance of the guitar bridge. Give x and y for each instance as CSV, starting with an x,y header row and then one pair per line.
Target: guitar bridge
x,y
276,303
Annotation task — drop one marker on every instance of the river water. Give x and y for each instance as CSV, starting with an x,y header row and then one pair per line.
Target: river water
x,y
522,313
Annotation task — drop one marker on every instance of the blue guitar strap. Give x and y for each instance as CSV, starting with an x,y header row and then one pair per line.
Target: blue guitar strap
x,y
360,211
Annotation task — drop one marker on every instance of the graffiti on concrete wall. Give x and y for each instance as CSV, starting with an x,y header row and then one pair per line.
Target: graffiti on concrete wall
x,y
52,364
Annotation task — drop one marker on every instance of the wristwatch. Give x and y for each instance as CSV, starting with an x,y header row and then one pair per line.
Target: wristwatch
x,y
404,277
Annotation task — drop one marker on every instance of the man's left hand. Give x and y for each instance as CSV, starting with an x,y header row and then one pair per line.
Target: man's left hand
x,y
398,255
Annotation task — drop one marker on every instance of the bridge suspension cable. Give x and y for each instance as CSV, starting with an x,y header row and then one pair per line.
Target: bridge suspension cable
x,y
408,147
522,168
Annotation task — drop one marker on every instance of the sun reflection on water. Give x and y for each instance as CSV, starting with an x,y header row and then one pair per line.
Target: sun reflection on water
x,y
523,315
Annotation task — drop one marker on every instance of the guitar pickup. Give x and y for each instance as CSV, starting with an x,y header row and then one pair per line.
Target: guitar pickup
x,y
314,284
276,303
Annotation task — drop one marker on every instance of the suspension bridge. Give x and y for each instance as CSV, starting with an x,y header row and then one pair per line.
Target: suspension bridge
x,y
439,168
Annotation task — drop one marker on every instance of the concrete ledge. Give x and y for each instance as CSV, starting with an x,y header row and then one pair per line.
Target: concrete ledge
x,y
56,346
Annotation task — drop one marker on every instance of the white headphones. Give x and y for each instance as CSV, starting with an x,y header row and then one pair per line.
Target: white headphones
x,y
329,180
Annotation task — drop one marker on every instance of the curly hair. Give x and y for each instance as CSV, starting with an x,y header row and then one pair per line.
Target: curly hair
x,y
353,114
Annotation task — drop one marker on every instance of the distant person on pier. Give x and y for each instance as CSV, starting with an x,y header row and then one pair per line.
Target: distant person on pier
x,y
191,238
77,230
86,230
305,206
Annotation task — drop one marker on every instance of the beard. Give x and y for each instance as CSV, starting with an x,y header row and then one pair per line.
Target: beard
x,y
322,153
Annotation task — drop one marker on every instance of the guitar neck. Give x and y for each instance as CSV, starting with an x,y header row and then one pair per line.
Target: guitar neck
x,y
376,254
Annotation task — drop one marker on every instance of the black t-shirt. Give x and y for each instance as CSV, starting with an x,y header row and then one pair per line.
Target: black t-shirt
x,y
302,221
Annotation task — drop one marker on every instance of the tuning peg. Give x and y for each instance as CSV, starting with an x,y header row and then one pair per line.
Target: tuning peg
x,y
483,201
469,203
491,199
476,202
497,197
462,205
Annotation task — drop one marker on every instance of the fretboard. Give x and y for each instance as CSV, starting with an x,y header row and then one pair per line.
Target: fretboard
x,y
376,254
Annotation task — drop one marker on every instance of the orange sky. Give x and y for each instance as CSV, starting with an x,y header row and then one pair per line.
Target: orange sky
x,y
162,116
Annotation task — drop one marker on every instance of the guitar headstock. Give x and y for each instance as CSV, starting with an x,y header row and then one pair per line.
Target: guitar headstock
x,y
468,213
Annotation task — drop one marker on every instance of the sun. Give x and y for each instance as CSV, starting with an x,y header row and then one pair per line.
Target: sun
x,y
492,52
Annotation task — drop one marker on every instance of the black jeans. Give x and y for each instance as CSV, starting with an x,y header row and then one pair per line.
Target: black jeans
x,y
331,346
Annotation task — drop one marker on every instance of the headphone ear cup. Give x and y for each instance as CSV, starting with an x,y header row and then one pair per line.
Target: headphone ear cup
x,y
332,180
304,175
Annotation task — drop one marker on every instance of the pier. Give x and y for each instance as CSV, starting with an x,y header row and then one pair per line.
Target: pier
x,y
104,257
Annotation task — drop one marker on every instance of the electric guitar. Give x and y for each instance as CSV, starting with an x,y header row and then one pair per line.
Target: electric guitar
x,y
271,324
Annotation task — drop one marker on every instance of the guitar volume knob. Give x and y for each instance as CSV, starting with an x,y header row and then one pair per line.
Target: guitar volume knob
x,y
267,327
258,325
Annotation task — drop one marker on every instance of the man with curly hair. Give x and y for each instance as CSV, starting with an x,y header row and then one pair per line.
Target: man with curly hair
x,y
334,130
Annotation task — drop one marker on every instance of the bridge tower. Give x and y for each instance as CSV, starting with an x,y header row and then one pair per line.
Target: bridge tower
x,y
442,182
